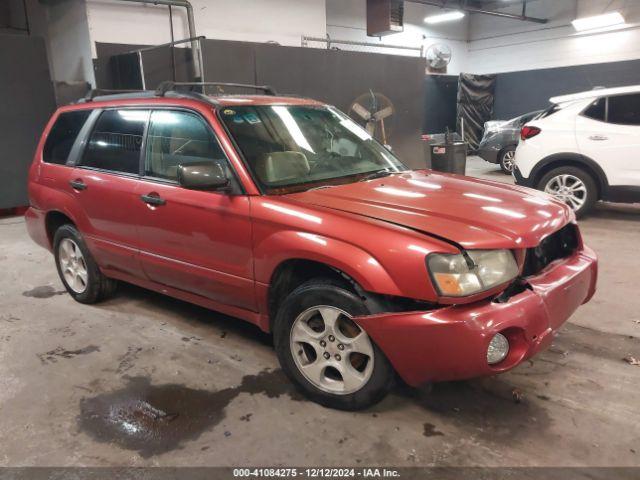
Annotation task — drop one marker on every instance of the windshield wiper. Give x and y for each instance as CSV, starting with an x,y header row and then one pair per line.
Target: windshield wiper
x,y
321,187
377,174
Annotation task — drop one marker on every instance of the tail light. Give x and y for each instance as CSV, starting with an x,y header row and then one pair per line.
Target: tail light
x,y
529,132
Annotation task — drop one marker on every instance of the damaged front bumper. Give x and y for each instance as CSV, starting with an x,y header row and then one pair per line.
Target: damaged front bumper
x,y
451,343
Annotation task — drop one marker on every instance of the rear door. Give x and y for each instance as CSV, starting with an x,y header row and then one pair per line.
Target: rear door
x,y
105,181
608,132
58,154
193,240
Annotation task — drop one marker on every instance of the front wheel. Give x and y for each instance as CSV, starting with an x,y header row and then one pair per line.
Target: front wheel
x,y
507,156
573,186
324,351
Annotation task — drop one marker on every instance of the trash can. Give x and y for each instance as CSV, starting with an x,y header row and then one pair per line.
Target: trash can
x,y
449,157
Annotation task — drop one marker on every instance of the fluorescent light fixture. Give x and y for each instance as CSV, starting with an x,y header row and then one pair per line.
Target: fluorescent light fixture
x,y
598,21
444,17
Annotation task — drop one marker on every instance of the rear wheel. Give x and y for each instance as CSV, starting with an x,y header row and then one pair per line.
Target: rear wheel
x,y
573,186
77,269
507,156
324,351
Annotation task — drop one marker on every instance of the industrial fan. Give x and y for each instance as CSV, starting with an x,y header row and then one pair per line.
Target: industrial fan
x,y
372,110
438,57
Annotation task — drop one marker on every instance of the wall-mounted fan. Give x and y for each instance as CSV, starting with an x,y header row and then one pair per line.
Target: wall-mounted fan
x,y
373,111
438,57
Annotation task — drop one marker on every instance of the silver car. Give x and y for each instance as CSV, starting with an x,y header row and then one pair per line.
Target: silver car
x,y
500,139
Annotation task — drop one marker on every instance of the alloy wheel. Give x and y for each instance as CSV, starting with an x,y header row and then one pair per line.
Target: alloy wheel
x,y
568,188
331,350
73,265
507,160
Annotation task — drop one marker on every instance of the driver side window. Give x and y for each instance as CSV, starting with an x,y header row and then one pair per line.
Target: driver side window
x,y
175,138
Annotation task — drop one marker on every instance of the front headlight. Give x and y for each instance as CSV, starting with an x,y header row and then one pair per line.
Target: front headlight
x,y
459,276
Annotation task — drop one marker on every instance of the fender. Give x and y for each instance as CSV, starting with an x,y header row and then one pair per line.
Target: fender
x,y
65,204
571,158
355,262
36,219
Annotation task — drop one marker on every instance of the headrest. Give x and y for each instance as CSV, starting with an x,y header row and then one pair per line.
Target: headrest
x,y
276,167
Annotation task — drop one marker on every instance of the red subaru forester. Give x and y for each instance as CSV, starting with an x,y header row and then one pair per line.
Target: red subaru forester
x,y
286,213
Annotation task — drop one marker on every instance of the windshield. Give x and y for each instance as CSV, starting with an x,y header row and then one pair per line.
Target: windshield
x,y
299,147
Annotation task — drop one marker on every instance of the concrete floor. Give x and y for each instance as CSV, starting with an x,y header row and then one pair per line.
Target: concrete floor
x,y
64,366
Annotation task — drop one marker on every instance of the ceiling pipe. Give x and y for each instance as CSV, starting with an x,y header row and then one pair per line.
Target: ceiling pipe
x,y
195,44
464,6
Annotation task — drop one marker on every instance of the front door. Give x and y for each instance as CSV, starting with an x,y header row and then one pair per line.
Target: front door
x,y
104,183
192,240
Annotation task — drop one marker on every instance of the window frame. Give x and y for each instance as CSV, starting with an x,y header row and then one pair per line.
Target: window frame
x,y
167,181
75,158
77,151
76,141
82,152
607,110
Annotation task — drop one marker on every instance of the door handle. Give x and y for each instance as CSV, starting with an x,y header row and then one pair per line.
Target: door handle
x,y
78,184
598,137
153,199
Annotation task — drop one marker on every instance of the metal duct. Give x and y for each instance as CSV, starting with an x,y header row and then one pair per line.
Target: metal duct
x,y
472,8
195,44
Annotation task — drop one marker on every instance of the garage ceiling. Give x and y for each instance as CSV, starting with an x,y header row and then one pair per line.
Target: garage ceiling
x,y
484,7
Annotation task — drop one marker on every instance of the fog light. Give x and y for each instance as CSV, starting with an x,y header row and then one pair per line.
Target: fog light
x,y
498,349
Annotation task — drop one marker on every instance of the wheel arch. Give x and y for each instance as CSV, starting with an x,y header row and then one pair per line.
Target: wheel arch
x,y
53,220
284,259
502,150
575,160
293,272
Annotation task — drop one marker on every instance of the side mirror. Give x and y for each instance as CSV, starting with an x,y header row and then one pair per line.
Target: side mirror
x,y
205,175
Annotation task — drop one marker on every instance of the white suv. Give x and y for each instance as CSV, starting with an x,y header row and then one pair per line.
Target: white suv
x,y
584,148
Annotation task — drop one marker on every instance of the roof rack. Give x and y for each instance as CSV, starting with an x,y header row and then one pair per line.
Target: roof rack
x,y
96,92
164,87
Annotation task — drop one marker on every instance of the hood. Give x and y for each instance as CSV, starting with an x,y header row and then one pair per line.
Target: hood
x,y
471,212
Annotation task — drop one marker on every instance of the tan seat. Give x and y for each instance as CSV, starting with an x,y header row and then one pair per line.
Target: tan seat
x,y
277,167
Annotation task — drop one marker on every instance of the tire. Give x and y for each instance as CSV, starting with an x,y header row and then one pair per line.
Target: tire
x,y
368,376
507,156
81,277
581,192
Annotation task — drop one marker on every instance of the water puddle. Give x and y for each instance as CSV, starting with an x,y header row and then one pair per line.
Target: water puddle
x,y
154,419
54,355
45,291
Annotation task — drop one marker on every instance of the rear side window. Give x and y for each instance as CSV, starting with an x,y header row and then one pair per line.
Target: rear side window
x,y
624,109
597,109
62,136
116,141
177,138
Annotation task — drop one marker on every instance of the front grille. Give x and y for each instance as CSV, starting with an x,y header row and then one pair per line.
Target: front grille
x,y
560,244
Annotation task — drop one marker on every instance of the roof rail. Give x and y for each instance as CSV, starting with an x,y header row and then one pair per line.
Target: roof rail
x,y
164,87
93,93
